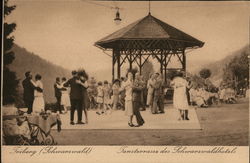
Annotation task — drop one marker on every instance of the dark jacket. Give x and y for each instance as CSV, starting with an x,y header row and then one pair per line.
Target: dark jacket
x,y
76,89
58,92
136,91
158,88
28,90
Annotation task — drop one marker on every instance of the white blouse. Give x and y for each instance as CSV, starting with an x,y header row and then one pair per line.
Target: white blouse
x,y
38,83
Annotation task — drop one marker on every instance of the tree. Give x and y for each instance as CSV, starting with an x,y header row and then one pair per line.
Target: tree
x,y
205,73
147,70
236,72
10,82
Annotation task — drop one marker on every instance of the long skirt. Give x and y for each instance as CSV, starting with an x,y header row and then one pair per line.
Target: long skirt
x,y
129,108
150,96
85,100
38,104
180,98
115,101
65,101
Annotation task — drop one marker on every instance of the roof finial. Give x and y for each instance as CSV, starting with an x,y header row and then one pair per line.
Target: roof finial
x,y
149,13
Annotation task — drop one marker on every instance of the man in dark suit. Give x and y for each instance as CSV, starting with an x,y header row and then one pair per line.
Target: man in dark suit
x,y
75,98
58,94
28,93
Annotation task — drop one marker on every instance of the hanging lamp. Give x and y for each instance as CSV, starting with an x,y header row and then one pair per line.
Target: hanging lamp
x,y
117,17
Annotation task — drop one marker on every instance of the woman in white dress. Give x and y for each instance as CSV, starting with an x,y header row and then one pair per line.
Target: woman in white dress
x,y
38,104
180,96
200,97
127,86
150,90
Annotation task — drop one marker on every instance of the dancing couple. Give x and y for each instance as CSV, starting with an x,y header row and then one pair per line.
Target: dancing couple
x,y
155,97
33,93
78,95
133,90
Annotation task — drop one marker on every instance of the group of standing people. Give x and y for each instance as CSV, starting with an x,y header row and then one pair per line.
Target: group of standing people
x,y
73,95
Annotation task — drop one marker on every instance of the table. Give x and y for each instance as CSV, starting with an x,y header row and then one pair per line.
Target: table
x,y
40,127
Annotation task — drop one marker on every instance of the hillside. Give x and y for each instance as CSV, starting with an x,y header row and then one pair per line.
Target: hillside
x,y
218,66
27,61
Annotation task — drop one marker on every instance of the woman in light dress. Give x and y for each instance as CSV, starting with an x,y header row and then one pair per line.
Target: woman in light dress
x,y
222,93
180,96
99,99
150,90
65,100
193,94
127,86
106,96
38,104
230,95
199,97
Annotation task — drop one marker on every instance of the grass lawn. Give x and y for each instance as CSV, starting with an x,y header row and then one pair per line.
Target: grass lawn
x,y
225,125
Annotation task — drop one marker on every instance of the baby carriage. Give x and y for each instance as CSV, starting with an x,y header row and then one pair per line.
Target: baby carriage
x,y
24,132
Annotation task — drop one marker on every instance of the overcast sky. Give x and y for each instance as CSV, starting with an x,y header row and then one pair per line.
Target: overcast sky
x,y
64,31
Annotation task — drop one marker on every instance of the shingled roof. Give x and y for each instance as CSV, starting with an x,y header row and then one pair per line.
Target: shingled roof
x,y
149,28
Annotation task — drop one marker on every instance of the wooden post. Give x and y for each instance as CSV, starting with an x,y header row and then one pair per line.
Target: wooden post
x,y
140,64
130,61
183,60
113,64
161,62
118,64
165,68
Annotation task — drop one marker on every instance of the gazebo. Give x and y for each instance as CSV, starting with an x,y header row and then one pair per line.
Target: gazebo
x,y
147,37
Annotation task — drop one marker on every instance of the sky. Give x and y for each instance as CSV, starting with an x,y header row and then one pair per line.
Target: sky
x,y
64,31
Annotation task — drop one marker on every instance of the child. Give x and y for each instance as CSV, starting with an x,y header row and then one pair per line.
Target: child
x,y
116,92
106,96
65,101
99,98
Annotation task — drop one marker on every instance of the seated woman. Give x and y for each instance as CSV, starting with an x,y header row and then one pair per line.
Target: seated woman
x,y
14,126
200,98
230,95
222,92
192,93
214,96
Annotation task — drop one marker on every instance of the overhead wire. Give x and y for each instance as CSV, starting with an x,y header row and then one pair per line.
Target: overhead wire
x,y
157,7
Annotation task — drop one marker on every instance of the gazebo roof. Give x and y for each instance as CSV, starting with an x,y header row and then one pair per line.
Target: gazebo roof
x,y
149,28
